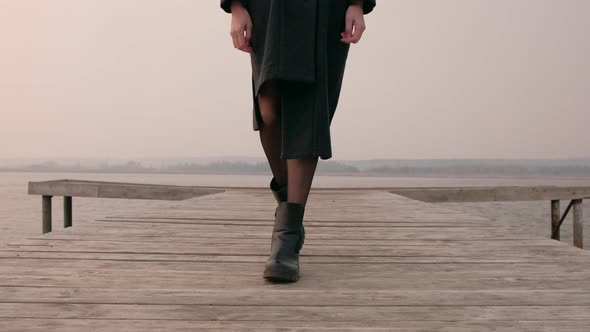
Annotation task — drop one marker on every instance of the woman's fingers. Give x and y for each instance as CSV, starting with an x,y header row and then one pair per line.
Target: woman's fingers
x,y
234,39
236,33
247,46
240,41
347,30
248,33
241,27
359,28
244,41
355,25
356,35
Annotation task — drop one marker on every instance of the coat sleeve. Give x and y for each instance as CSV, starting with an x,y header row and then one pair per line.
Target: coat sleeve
x,y
226,4
368,5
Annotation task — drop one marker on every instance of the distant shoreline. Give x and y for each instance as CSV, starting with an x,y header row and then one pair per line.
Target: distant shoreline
x,y
324,173
571,168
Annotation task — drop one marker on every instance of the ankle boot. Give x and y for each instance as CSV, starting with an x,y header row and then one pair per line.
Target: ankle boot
x,y
288,236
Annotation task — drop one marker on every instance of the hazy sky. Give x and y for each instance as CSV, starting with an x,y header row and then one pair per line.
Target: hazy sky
x,y
430,79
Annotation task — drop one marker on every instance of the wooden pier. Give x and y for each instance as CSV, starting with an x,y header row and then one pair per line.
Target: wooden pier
x,y
372,260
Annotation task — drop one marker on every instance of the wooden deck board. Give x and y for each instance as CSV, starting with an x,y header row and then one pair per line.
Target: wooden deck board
x,y
372,261
134,325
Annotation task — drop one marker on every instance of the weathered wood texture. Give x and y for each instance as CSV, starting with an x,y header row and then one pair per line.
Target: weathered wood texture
x,y
101,189
555,217
578,227
84,188
372,260
490,194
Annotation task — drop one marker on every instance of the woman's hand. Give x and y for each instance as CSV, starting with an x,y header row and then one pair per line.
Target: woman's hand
x,y
355,24
241,27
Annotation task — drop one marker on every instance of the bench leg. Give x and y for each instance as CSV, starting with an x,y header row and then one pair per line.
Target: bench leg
x,y
578,225
67,211
46,213
555,216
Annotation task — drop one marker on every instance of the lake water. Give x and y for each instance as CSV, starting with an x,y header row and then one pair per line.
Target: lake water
x,y
20,214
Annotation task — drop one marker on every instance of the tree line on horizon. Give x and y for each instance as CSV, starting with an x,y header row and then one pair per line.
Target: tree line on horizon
x,y
327,166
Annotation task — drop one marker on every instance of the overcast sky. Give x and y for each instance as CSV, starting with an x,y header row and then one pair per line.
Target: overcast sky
x,y
429,79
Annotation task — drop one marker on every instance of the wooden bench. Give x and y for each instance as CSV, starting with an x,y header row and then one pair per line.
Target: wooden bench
x,y
70,188
79,188
512,193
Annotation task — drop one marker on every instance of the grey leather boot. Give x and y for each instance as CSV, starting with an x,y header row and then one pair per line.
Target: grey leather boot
x,y
288,236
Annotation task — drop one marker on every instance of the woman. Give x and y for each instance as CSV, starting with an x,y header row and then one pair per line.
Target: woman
x,y
298,51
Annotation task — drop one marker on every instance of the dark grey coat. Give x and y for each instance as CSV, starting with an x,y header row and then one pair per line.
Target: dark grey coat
x,y
298,43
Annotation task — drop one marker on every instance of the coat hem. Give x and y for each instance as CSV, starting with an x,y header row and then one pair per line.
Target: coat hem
x,y
299,155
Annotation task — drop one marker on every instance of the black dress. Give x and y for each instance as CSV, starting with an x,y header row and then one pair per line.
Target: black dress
x,y
298,43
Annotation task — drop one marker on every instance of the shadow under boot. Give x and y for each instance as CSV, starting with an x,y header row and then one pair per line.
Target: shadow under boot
x,y
288,236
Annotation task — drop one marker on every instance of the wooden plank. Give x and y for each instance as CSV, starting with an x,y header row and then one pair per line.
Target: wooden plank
x,y
313,277
308,222
309,250
317,282
225,259
277,313
320,234
509,269
450,194
265,241
489,194
101,189
229,222
316,228
133,325
274,295
442,270
204,274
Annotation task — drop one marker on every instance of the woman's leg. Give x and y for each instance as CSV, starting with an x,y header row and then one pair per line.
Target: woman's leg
x,y
301,172
271,130
298,173
288,231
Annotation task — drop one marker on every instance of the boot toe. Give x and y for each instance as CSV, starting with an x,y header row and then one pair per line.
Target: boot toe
x,y
277,270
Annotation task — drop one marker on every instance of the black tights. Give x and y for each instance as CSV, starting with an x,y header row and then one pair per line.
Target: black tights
x,y
297,173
